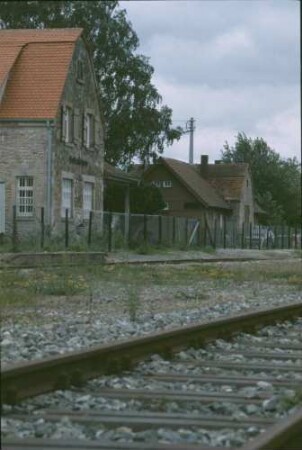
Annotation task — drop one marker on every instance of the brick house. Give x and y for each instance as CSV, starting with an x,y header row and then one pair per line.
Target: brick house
x,y
51,128
208,192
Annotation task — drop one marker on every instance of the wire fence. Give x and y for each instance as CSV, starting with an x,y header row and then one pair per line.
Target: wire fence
x,y
106,231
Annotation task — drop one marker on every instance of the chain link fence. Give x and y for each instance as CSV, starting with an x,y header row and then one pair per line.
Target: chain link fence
x,y
106,231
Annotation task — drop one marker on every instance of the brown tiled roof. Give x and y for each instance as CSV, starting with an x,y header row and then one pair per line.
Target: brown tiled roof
x,y
197,185
227,178
37,62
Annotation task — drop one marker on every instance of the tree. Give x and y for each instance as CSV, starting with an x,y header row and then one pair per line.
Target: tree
x,y
146,199
276,181
135,123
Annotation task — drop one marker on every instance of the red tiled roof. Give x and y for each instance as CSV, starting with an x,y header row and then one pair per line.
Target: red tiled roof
x,y
37,62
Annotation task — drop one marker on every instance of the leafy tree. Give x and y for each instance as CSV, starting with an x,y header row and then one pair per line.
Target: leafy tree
x,y
136,123
276,181
146,199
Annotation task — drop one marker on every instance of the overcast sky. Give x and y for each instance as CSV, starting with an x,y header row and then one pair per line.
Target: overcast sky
x,y
232,65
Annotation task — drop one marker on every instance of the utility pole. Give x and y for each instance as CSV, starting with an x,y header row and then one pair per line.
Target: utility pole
x,y
190,127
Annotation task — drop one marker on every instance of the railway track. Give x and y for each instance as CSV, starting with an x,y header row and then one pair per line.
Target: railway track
x,y
185,388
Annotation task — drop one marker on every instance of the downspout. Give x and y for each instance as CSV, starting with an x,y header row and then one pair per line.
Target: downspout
x,y
49,174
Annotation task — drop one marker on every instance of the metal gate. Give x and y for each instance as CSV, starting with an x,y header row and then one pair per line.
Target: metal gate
x,y
2,207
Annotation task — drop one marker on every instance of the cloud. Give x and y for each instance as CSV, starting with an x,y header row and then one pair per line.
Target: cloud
x,y
234,66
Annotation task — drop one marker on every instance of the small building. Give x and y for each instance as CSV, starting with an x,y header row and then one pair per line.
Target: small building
x,y
208,192
51,129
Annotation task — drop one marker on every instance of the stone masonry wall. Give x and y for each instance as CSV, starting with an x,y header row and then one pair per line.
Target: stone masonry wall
x,y
23,150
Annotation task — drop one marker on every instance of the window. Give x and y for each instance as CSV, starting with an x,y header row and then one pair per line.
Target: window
x,y
25,196
87,199
67,124
77,126
67,197
156,183
80,70
89,130
167,184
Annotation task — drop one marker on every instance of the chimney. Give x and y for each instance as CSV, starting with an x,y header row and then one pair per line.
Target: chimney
x,y
204,165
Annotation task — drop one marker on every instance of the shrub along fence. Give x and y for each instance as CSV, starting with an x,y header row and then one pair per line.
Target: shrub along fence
x,y
106,231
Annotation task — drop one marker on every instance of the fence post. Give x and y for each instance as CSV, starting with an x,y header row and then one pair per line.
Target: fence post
x,y
145,229
242,236
259,239
174,230
224,232
66,229
251,236
110,232
42,227
296,240
267,237
186,231
288,236
14,231
282,237
160,230
276,237
214,234
90,227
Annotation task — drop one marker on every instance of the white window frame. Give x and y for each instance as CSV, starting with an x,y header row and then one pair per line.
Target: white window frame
x,y
67,197
25,202
167,184
88,198
157,183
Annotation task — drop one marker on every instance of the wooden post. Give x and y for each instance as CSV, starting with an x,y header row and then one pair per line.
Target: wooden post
x,y
42,227
259,240
296,240
66,229
267,237
251,236
14,231
90,227
288,236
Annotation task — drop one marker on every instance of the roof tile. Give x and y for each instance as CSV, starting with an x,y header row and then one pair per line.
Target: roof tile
x,y
37,62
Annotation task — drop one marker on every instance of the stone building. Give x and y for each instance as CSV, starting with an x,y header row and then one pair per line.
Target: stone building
x,y
51,129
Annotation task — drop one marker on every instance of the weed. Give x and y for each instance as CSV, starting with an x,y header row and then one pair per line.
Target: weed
x,y
132,304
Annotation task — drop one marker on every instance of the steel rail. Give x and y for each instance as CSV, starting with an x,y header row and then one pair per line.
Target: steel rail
x,y
37,377
140,420
42,444
285,435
